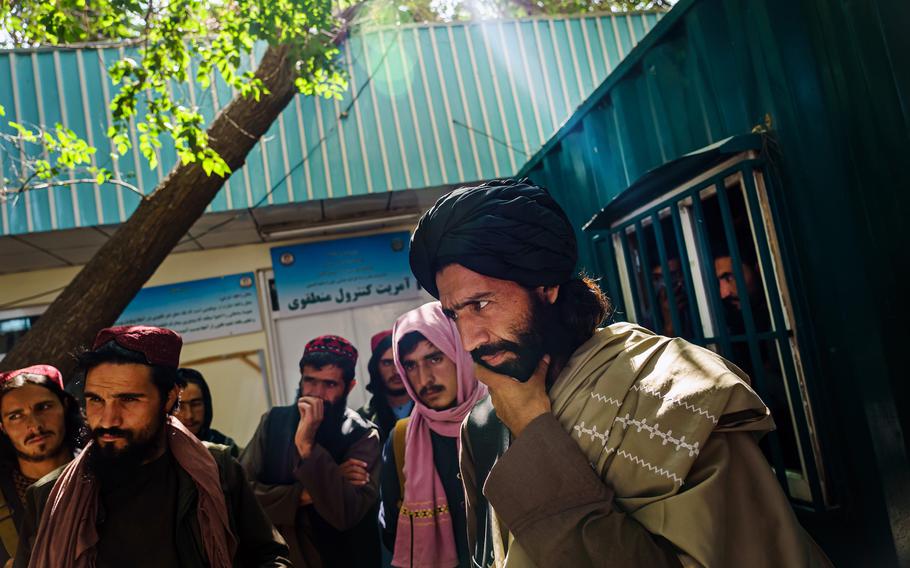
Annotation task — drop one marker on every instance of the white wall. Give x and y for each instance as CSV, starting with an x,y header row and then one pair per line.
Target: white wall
x,y
356,325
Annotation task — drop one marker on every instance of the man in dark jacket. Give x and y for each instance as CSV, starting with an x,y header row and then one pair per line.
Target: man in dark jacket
x,y
315,465
145,492
196,412
390,401
42,428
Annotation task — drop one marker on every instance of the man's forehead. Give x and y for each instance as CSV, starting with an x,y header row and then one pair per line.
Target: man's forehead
x,y
326,372
458,284
31,394
422,348
119,377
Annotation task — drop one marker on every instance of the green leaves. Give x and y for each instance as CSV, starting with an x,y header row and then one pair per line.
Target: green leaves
x,y
172,43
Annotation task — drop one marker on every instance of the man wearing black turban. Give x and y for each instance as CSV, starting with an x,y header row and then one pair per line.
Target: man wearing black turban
x,y
596,447
505,229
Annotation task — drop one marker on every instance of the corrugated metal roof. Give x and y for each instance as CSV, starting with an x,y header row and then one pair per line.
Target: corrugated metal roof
x,y
438,104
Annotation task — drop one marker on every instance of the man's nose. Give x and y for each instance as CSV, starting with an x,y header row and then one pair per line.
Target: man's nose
x,y
318,390
473,335
110,416
32,423
726,290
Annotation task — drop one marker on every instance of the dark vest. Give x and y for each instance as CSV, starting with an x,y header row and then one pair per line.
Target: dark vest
x,y
489,438
356,547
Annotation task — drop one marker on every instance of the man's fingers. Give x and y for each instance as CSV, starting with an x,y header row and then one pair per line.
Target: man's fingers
x,y
540,374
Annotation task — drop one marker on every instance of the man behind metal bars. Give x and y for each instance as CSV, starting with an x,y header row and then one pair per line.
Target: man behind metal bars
x,y
623,448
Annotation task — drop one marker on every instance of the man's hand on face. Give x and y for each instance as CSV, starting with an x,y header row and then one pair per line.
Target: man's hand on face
x,y
355,472
311,412
516,403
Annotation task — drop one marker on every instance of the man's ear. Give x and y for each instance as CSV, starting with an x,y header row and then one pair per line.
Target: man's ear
x,y
350,387
549,294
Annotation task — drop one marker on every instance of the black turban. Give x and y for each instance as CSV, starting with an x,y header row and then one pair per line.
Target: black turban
x,y
506,229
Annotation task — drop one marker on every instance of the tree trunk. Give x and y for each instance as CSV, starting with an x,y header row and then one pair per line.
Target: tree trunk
x,y
105,286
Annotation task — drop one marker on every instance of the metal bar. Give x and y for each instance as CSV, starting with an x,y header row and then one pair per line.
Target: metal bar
x,y
708,274
606,267
698,332
758,371
656,316
667,276
630,269
783,335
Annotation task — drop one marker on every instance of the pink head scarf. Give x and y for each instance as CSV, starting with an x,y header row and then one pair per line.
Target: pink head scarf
x,y
424,509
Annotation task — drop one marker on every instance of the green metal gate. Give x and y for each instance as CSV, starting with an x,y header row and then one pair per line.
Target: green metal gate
x,y
663,267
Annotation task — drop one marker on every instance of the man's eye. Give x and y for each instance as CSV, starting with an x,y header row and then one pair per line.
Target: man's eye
x,y
14,417
482,304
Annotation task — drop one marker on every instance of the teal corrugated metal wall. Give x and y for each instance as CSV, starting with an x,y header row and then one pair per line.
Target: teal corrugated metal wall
x,y
444,104
833,76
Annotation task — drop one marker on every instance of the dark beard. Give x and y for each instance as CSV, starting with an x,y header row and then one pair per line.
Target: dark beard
x,y
396,392
332,417
107,462
733,316
532,343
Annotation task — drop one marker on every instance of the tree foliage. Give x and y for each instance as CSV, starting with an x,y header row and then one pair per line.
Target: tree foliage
x,y
175,41
386,12
172,42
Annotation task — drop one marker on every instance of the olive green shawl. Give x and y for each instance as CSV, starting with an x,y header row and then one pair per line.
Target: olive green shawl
x,y
642,407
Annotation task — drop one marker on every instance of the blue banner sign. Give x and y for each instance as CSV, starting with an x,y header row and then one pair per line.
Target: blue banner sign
x,y
346,273
199,309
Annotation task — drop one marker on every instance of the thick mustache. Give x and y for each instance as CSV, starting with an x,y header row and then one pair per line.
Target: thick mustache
x,y
98,432
37,434
429,389
493,348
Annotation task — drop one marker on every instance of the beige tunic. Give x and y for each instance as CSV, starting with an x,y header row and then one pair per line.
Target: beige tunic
x,y
651,448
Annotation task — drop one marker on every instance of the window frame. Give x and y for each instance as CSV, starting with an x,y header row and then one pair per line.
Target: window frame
x,y
744,172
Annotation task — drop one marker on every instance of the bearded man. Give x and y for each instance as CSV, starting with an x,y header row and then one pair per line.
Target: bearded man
x,y
390,401
423,519
597,447
145,492
42,429
315,464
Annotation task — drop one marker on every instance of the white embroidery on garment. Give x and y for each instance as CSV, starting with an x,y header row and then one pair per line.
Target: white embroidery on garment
x,y
602,436
606,399
654,431
592,431
677,401
646,465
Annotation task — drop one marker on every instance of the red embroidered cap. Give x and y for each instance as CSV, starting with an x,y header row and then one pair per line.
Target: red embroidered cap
x,y
377,339
332,344
161,346
45,370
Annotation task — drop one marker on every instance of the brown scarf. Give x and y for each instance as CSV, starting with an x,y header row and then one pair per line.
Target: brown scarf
x,y
67,534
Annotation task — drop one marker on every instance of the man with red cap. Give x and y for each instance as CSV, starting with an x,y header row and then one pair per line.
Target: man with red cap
x,y
42,428
145,491
390,401
315,464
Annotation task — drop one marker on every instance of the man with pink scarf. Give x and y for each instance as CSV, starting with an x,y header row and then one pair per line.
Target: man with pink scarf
x,y
426,525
